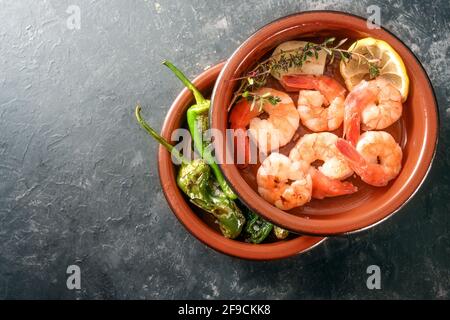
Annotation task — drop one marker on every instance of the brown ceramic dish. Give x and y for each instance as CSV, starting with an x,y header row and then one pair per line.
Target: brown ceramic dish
x,y
417,131
192,218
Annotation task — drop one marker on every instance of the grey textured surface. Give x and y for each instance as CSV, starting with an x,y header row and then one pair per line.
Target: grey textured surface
x,y
78,179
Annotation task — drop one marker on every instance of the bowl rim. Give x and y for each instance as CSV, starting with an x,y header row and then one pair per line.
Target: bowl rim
x,y
308,229
186,215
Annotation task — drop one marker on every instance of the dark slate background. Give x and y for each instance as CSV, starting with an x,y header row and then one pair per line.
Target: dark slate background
x,y
78,178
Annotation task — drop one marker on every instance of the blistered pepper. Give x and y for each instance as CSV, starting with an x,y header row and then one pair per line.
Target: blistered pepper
x,y
198,123
195,180
280,233
256,229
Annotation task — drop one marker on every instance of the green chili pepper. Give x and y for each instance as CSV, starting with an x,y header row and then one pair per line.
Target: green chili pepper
x,y
195,180
198,122
257,229
280,233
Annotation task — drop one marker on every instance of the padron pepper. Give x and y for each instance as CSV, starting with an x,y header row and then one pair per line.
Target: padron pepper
x,y
280,233
198,123
257,229
195,180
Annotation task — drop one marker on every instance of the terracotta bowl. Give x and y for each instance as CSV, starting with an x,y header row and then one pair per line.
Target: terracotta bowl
x,y
416,131
199,223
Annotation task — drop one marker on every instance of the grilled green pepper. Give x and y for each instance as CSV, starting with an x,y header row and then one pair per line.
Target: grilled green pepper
x,y
256,229
280,233
195,180
198,123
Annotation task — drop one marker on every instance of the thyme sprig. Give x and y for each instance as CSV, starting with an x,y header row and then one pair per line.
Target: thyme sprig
x,y
259,100
285,59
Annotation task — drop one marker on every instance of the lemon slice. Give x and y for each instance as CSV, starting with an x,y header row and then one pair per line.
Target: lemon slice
x,y
388,61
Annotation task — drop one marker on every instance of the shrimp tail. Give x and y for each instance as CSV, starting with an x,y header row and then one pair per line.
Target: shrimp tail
x,y
354,158
324,186
350,153
351,128
241,147
242,114
346,187
372,174
247,154
293,83
240,118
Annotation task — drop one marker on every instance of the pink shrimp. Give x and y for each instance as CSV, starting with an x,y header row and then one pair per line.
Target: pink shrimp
x,y
375,104
240,118
269,134
284,183
324,186
326,179
377,158
316,92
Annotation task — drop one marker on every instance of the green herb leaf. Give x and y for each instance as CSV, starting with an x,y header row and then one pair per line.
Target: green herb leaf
x,y
329,40
252,106
374,71
341,43
328,51
274,100
261,105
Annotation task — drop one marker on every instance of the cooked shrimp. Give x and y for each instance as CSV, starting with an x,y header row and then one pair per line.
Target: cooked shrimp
x,y
322,91
324,186
376,104
240,118
284,183
326,179
242,114
377,158
322,147
269,134
279,128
